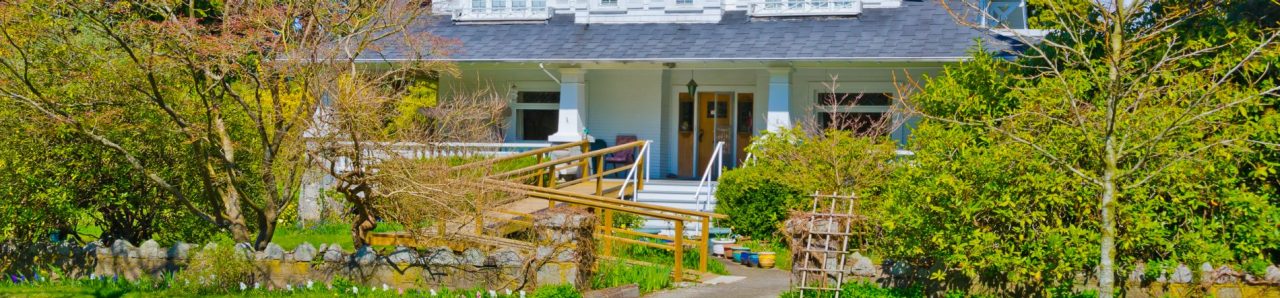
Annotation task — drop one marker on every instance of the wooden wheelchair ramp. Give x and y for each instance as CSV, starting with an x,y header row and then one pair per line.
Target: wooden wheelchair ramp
x,y
566,175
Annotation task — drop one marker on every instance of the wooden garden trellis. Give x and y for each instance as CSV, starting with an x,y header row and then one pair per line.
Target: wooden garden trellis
x,y
825,245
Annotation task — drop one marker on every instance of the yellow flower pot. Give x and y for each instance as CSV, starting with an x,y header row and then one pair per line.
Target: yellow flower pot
x,y
767,259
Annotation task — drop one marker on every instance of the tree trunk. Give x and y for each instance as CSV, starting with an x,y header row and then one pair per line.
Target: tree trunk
x,y
235,220
1107,245
266,228
364,222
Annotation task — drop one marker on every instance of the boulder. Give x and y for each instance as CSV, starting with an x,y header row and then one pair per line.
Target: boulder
x,y
1272,275
304,252
364,256
123,249
273,252
1207,274
1138,273
403,255
442,256
179,251
862,266
96,248
245,250
504,257
333,253
1181,275
151,250
1225,275
473,257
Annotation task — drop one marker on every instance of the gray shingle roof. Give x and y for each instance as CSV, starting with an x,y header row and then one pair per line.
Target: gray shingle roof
x,y
915,31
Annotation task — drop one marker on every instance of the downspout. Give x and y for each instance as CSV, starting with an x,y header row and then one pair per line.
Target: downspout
x,y
553,77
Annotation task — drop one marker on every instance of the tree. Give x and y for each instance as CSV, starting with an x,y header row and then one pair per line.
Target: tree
x,y
239,81
1118,98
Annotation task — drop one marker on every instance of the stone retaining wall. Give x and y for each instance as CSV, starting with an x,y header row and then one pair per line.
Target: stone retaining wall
x,y
554,260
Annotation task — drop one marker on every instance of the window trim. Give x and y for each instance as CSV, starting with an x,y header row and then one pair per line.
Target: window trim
x,y
818,107
516,127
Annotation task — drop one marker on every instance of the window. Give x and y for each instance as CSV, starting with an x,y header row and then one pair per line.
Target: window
x,y
684,2
1002,13
536,114
608,2
861,113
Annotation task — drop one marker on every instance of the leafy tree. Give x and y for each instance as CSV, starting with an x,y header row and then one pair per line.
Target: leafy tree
x,y
238,82
1120,105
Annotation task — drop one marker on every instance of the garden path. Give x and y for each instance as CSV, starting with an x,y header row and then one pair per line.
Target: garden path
x,y
754,282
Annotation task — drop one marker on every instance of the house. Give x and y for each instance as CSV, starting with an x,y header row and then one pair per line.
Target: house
x,y
578,69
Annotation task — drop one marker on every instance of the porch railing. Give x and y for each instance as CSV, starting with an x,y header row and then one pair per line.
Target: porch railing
x,y
706,186
636,183
805,7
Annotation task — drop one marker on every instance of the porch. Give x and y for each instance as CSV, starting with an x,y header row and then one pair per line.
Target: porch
x,y
686,109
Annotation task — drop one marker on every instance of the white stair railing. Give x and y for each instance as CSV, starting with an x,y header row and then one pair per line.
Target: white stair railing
x,y
705,186
642,158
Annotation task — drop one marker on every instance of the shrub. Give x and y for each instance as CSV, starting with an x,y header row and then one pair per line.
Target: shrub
x,y
755,201
219,269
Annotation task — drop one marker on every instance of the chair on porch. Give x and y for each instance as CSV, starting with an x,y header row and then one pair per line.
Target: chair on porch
x,y
621,157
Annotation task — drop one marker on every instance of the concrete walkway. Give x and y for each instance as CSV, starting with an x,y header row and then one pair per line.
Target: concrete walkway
x,y
742,282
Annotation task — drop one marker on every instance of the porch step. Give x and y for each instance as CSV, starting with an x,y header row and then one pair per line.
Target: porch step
x,y
674,194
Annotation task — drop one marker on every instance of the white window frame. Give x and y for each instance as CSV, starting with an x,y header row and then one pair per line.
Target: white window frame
x,y
516,125
818,88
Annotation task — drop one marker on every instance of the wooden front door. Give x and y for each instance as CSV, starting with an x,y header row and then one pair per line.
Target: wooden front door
x,y
714,125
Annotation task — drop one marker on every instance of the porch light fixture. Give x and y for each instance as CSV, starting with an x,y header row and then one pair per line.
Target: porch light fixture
x,y
693,88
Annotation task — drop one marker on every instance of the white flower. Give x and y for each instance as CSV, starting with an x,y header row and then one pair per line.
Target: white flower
x,y
385,287
256,285
433,292
355,290
309,283
521,293
508,292
243,286
289,287
493,294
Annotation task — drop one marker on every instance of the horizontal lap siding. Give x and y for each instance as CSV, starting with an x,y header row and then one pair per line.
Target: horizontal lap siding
x,y
627,102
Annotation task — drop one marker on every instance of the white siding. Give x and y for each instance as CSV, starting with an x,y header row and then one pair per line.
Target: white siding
x,y
626,102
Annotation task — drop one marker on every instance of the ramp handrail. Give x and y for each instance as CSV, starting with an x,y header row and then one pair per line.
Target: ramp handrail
x,y
642,156
717,160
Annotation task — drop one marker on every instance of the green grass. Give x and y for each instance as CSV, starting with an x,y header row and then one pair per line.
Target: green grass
x,y
662,256
615,273
782,254
649,277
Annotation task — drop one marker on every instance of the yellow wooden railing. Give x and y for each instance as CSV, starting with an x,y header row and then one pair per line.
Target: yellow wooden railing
x,y
542,181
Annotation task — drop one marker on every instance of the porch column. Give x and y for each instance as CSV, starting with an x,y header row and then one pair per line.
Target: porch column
x,y
779,116
573,106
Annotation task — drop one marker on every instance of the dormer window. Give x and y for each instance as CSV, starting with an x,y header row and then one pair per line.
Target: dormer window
x,y
608,2
772,8
503,10
1000,14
